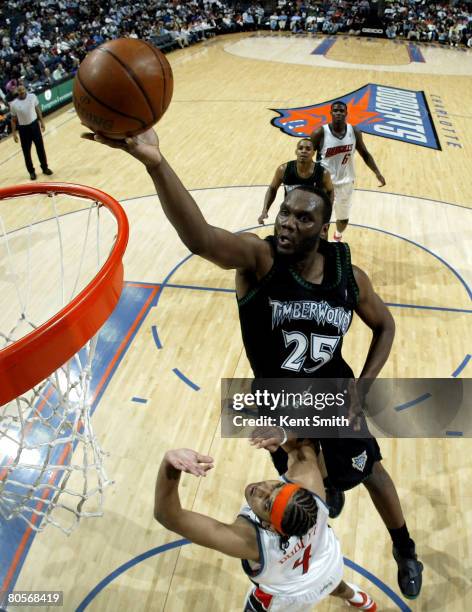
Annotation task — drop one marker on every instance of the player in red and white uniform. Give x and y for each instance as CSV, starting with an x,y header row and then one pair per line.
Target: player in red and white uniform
x,y
282,535
336,143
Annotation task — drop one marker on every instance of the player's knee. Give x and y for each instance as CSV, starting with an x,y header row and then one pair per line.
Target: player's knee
x,y
378,478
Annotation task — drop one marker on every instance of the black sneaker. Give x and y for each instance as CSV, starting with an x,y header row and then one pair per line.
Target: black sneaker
x,y
335,501
409,574
33,176
48,171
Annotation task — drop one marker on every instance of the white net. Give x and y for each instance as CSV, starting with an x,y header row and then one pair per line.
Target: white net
x,y
51,465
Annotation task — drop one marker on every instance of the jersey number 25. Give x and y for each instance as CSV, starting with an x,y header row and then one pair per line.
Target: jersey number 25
x,y
321,350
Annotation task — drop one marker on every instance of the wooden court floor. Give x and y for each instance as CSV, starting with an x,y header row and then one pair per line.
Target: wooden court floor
x,y
413,238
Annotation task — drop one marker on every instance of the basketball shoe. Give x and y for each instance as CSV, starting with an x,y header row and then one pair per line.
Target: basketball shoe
x,y
337,237
409,573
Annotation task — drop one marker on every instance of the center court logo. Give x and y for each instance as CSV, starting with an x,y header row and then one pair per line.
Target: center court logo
x,y
400,114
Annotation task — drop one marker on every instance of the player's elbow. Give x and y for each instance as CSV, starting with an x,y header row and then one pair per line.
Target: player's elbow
x,y
386,327
196,243
162,517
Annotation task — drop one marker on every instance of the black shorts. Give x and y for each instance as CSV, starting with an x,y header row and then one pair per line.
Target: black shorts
x,y
348,460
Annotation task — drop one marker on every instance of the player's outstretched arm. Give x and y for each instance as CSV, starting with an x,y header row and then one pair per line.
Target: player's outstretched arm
x,y
228,250
237,540
367,157
303,466
377,316
271,193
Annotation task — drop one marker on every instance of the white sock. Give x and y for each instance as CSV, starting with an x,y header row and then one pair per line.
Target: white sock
x,y
357,593
338,234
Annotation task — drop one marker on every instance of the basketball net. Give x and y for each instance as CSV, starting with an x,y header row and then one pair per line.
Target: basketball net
x,y
51,464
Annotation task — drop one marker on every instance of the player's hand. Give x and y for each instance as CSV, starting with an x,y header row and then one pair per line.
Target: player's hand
x,y
381,180
15,137
270,438
262,216
356,411
144,147
187,460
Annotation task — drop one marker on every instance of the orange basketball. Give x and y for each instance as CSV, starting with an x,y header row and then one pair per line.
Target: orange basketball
x,y
123,87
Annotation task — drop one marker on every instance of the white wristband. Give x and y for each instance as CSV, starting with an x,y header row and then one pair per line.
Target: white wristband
x,y
285,437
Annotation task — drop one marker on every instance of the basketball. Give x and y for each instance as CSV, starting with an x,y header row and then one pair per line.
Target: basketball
x,y
122,88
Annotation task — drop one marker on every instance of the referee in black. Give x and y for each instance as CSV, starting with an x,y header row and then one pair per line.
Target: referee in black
x,y
26,114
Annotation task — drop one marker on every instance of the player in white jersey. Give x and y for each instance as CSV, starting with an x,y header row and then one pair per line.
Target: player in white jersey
x,y
336,144
282,535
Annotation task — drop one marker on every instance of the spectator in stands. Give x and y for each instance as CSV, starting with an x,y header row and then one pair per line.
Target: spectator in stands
x,y
454,35
47,33
391,31
414,33
59,73
180,38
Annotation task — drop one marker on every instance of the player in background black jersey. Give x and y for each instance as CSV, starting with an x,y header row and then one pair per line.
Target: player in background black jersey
x,y
313,265
300,171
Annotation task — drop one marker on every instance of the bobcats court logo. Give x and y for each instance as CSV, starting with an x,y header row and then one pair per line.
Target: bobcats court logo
x,y
360,461
400,114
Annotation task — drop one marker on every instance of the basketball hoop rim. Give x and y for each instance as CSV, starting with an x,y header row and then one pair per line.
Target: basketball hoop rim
x,y
32,358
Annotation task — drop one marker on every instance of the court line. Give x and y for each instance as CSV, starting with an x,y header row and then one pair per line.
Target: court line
x,y
461,366
380,191
161,549
116,360
29,535
378,583
417,244
392,304
155,335
222,188
139,400
186,380
438,257
413,402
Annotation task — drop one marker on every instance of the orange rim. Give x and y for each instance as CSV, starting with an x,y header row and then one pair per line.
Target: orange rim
x,y
28,361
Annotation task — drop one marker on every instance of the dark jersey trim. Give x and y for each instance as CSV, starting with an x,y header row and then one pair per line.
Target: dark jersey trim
x,y
255,290
245,563
333,285
350,272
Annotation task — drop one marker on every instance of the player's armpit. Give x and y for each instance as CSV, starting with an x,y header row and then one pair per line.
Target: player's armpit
x,y
236,540
237,251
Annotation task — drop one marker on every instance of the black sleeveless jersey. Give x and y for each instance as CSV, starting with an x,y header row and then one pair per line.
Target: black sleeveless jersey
x,y
294,328
292,179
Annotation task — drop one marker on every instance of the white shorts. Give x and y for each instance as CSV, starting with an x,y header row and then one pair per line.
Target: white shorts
x,y
343,200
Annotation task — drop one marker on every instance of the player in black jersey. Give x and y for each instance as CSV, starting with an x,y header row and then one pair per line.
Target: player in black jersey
x,y
300,171
296,266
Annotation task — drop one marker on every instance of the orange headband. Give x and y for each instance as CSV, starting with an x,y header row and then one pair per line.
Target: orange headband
x,y
280,504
